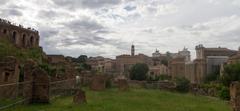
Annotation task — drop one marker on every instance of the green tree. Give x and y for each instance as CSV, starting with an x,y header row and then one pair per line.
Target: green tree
x,y
182,84
231,73
164,62
82,59
86,66
139,71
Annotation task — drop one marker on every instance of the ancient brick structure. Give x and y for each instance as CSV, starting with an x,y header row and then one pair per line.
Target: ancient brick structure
x,y
98,83
235,58
18,35
125,62
55,59
64,69
203,53
79,97
9,70
177,67
9,74
123,85
235,96
158,70
29,67
40,88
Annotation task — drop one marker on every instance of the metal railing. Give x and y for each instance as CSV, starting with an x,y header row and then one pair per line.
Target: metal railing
x,y
13,93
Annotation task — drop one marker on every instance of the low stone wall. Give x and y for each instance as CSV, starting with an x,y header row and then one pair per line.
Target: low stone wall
x,y
161,85
136,84
205,91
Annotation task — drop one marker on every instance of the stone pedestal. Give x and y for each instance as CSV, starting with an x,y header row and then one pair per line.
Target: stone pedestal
x,y
80,97
235,96
98,83
123,85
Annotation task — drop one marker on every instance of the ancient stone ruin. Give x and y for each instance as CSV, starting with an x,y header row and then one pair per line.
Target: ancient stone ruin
x,y
80,97
98,83
123,85
40,90
9,74
18,35
29,67
235,96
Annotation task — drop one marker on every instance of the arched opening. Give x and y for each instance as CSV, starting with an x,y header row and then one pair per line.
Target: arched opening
x,y
21,73
24,40
32,40
6,76
4,31
14,36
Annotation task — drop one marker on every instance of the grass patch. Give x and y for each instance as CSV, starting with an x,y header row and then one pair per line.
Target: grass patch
x,y
8,49
133,100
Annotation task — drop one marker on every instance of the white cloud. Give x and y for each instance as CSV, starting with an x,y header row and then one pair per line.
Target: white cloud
x,y
107,28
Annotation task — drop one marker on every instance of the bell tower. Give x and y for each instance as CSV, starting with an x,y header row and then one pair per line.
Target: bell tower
x,y
132,50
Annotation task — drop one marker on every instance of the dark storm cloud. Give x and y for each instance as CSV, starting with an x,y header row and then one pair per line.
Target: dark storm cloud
x,y
84,24
83,40
86,31
72,4
130,8
11,12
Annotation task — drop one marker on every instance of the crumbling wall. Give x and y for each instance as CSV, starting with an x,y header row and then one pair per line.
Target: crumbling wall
x,y
18,35
235,96
9,76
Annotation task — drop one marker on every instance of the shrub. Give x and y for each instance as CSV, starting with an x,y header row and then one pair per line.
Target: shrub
x,y
164,77
224,93
182,84
231,73
211,77
108,83
139,71
50,70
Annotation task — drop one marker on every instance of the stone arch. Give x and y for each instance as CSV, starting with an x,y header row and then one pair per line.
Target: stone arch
x,y
6,76
24,39
14,36
4,31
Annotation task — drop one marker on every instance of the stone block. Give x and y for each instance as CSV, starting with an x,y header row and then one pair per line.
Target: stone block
x,y
80,97
98,83
123,85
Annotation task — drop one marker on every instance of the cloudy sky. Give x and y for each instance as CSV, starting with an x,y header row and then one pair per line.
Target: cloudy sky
x,y
109,27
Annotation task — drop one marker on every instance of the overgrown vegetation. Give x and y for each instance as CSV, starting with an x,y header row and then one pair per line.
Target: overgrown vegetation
x,y
139,71
8,49
159,77
231,73
82,61
49,69
182,84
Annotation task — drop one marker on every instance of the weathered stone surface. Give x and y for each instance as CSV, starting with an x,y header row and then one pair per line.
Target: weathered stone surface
x,y
9,74
19,36
80,97
235,96
40,90
123,85
98,83
28,77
